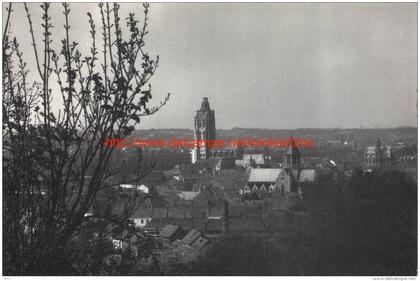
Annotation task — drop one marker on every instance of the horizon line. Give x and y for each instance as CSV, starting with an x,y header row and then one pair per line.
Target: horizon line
x,y
308,128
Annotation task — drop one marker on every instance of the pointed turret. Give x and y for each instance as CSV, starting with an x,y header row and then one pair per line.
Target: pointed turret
x,y
291,158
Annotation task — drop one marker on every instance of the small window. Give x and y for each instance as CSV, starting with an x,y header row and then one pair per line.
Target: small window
x,y
141,221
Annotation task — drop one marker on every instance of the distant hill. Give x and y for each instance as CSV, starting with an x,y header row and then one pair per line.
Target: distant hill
x,y
362,136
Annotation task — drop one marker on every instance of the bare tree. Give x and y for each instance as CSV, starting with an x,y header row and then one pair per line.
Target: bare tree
x,y
48,147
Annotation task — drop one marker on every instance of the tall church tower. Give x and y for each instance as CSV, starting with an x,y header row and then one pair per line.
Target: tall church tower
x,y
204,132
291,158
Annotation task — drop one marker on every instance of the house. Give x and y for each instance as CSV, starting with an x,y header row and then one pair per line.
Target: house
x,y
188,195
214,226
216,209
263,182
306,175
195,240
189,247
228,166
132,187
379,156
157,224
170,233
211,166
200,243
191,236
126,240
174,173
143,188
143,216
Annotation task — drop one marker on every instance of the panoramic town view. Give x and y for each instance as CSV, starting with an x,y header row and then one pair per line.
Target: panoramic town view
x,y
210,139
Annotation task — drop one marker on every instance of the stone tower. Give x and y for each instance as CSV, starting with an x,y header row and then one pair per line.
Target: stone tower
x,y
204,132
291,158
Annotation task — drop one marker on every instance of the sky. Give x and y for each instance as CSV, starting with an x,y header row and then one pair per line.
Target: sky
x,y
271,65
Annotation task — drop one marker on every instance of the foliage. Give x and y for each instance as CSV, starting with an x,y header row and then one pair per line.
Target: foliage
x,y
366,228
51,139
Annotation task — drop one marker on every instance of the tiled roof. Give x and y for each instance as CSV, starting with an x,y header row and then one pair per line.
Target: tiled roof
x,y
264,175
191,237
169,230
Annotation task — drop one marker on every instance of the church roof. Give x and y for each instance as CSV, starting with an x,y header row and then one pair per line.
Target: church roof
x,y
264,175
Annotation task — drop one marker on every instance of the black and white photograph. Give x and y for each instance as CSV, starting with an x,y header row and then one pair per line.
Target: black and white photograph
x,y
210,139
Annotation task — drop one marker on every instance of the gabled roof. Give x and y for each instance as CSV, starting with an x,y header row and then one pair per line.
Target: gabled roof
x,y
307,175
264,175
191,237
169,230
200,243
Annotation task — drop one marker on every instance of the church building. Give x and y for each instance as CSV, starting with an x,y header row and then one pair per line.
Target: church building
x,y
284,181
204,132
378,156
205,146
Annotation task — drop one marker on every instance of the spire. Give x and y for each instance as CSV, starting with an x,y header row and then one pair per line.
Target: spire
x,y
378,152
291,157
205,106
292,150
